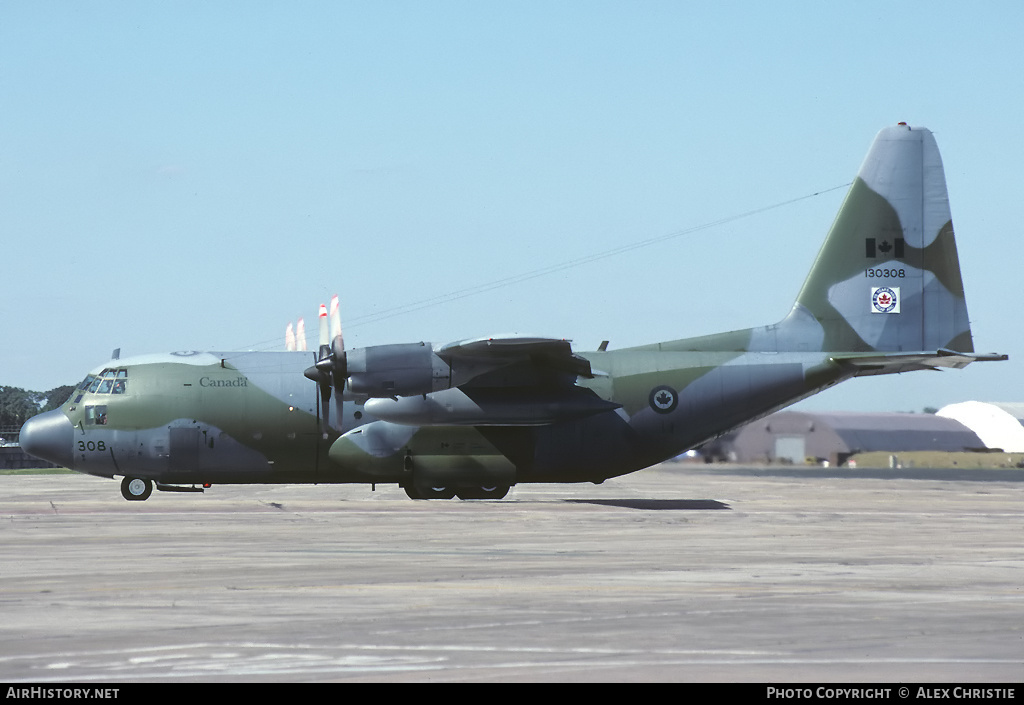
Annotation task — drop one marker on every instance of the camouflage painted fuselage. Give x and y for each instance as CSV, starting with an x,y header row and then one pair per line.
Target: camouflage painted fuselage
x,y
253,417
885,295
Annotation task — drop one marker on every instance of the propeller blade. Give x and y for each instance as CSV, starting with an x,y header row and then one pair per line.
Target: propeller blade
x,y
336,340
325,337
289,338
300,335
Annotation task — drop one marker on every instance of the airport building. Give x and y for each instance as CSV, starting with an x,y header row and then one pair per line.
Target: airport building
x,y
793,436
998,424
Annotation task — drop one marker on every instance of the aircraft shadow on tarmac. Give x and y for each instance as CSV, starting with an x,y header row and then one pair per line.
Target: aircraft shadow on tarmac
x,y
658,504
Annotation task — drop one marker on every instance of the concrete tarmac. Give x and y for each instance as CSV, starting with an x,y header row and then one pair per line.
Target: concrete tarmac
x,y
678,573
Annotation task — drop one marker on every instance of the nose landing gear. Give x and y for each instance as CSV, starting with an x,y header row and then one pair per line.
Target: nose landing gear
x,y
135,489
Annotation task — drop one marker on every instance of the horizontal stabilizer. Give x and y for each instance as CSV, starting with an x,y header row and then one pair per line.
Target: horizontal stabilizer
x,y
883,364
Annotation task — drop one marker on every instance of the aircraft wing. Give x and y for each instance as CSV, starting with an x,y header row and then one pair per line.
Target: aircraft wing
x,y
500,381
471,359
892,363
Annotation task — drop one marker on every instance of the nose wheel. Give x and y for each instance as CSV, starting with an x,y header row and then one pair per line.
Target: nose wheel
x,y
135,489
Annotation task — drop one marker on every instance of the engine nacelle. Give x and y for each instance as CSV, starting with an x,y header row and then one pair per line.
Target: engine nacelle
x,y
401,370
499,407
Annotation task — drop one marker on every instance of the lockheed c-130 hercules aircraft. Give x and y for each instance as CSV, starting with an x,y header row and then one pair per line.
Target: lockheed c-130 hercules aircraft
x,y
473,418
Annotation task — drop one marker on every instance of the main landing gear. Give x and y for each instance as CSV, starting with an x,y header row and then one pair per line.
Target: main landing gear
x,y
489,492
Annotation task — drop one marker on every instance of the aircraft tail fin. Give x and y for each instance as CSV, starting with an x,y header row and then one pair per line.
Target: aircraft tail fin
x,y
887,278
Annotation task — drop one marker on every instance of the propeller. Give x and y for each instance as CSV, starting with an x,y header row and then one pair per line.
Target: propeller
x,y
295,337
329,372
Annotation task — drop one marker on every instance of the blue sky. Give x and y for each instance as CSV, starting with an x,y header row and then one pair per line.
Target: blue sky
x,y
196,175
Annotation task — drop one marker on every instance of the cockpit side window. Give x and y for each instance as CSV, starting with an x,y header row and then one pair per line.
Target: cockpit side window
x,y
96,415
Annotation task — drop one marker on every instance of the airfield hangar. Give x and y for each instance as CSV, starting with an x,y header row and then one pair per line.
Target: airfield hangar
x,y
793,436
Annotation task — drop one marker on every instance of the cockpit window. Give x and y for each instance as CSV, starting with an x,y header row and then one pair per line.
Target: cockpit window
x,y
86,382
109,381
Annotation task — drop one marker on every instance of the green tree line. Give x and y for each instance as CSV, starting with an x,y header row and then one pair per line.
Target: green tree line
x,y
18,405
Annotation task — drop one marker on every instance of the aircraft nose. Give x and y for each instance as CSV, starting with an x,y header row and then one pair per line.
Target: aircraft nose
x,y
49,436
